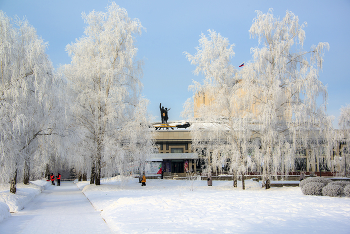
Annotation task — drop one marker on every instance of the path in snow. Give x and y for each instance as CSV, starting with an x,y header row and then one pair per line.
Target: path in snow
x,y
58,209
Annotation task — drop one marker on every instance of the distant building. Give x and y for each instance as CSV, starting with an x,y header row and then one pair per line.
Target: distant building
x,y
176,157
175,152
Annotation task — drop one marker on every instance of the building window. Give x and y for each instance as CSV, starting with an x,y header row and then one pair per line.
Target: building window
x,y
177,150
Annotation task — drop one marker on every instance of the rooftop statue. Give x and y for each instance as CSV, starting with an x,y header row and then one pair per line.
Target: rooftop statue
x,y
164,113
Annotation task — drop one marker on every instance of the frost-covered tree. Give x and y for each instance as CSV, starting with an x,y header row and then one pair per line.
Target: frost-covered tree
x,y
104,79
344,124
283,90
27,98
272,107
219,131
344,119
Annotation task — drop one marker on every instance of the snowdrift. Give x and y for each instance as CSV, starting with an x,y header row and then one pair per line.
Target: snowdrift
x,y
11,203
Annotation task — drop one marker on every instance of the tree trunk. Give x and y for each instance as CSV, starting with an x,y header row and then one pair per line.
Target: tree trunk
x,y
47,172
99,146
26,171
84,176
234,180
13,188
80,176
345,165
92,177
267,184
98,162
98,173
243,181
267,181
209,180
267,173
264,176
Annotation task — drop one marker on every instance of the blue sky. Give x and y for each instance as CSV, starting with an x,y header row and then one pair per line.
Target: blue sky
x,y
173,27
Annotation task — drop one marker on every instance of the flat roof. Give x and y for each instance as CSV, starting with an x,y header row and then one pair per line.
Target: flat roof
x,y
161,157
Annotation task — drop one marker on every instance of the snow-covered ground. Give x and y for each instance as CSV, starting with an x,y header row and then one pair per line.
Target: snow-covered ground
x,y
62,209
173,206
183,206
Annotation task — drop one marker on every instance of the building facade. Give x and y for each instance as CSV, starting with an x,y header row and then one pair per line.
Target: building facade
x,y
176,157
175,152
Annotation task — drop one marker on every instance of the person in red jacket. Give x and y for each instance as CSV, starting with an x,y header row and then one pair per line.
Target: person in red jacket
x,y
52,178
58,179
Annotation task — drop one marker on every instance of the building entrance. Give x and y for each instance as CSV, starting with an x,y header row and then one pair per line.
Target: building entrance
x,y
177,166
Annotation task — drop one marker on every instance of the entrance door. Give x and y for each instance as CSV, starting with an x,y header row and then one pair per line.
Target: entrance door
x,y
177,166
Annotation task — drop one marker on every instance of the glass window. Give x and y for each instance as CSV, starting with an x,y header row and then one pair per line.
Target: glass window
x,y
177,150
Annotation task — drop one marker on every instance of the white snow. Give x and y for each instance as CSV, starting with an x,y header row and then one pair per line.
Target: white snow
x,y
175,206
184,206
4,211
24,194
14,202
62,209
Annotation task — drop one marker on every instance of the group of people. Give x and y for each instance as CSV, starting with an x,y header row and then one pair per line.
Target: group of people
x,y
58,177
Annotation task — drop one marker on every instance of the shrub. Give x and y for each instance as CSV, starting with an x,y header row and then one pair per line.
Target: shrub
x,y
332,190
313,188
323,180
341,183
347,190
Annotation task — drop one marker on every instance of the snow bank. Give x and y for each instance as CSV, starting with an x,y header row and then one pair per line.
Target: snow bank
x,y
4,211
41,183
14,202
122,180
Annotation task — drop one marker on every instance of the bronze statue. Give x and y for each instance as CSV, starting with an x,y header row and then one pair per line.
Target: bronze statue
x,y
164,113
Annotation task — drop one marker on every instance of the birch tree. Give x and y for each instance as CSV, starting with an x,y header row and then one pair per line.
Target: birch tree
x,y
274,106
344,124
219,130
284,90
104,77
26,101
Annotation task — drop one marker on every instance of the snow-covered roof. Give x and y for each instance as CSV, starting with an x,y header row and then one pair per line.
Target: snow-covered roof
x,y
180,125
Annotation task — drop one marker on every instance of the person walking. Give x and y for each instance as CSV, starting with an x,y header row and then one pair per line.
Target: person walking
x,y
58,177
302,176
143,181
52,178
